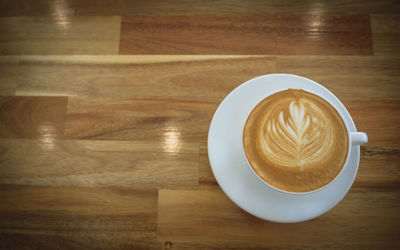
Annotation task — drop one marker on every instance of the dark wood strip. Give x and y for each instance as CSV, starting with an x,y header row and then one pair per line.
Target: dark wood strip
x,y
379,119
77,209
379,167
115,239
256,34
77,218
349,78
188,7
386,35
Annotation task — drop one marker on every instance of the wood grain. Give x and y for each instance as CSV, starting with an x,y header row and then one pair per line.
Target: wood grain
x,y
84,163
385,33
32,117
349,78
62,239
61,8
170,122
7,85
187,7
59,35
214,214
7,89
210,77
69,217
379,167
380,120
206,175
238,34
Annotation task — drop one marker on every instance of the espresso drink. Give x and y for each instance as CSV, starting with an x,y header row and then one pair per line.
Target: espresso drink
x,y
295,141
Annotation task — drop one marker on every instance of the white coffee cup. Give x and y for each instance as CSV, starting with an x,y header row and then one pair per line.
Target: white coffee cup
x,y
355,139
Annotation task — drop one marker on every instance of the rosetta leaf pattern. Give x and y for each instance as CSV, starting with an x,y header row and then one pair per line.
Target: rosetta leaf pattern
x,y
298,136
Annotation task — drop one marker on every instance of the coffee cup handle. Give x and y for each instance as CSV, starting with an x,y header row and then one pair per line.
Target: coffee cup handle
x,y
358,138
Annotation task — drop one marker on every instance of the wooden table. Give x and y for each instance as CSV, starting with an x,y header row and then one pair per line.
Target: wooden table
x,y
105,108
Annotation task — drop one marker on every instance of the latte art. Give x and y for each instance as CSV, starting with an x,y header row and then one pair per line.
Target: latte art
x,y
301,134
295,141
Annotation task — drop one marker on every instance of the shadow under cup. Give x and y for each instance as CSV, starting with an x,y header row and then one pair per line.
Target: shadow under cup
x,y
285,141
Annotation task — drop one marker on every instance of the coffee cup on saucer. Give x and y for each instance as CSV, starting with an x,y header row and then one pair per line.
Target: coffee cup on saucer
x,y
296,141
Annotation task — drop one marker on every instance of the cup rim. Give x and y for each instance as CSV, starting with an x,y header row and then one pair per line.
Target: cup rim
x,y
348,132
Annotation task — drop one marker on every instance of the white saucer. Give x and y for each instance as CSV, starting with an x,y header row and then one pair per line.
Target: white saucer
x,y
235,176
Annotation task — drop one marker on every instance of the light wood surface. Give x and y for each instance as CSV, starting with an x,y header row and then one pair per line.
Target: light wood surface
x,y
174,121
105,108
92,163
61,34
210,77
32,117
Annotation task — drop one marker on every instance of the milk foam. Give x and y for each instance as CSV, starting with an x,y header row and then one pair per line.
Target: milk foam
x,y
295,133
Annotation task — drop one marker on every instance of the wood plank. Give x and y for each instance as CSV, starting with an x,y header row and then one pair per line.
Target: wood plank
x,y
349,78
206,175
385,33
9,239
7,89
32,117
238,34
379,167
133,164
61,8
170,122
187,7
346,226
379,119
59,35
172,245
136,77
51,216
71,208
7,85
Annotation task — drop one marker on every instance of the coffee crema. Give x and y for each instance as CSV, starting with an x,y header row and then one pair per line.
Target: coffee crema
x,y
296,141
